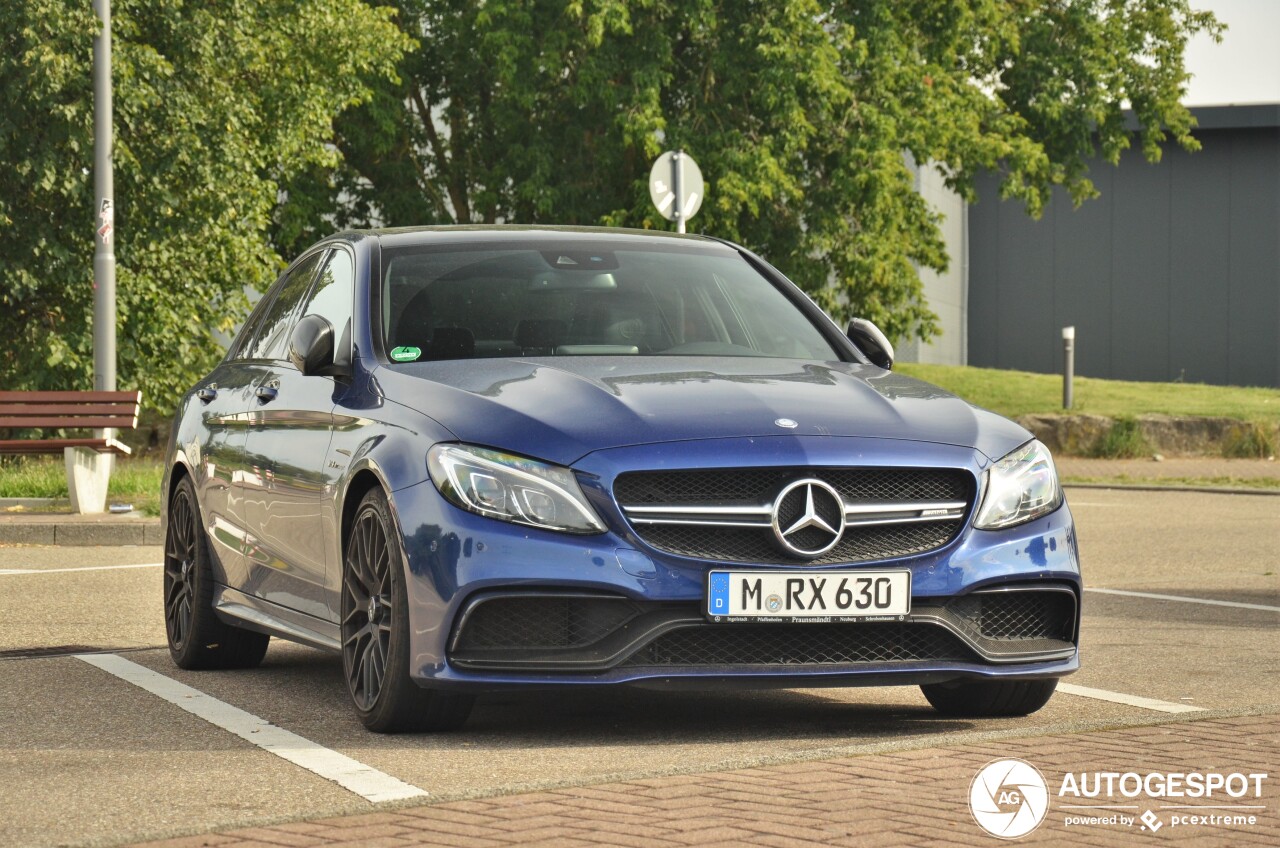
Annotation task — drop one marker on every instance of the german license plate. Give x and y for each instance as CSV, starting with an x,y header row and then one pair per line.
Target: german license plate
x,y
811,596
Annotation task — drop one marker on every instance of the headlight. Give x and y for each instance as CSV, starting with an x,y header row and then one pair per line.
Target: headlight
x,y
1020,487
511,488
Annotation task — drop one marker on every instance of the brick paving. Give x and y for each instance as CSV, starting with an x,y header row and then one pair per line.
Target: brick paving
x,y
912,797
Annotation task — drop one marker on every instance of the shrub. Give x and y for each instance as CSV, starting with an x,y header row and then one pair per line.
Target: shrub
x,y
1123,441
1250,440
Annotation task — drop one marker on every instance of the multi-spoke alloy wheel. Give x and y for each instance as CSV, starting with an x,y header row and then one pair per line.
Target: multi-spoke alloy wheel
x,y
179,557
375,631
366,610
197,638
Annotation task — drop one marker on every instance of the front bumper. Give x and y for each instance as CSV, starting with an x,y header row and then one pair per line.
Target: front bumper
x,y
458,562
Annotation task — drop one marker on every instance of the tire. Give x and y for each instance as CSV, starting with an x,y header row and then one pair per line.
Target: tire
x,y
198,639
985,699
375,632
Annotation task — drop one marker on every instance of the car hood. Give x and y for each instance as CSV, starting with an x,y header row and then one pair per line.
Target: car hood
x,y
562,408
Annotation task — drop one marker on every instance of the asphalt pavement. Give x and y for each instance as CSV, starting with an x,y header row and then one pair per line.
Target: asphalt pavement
x,y
87,758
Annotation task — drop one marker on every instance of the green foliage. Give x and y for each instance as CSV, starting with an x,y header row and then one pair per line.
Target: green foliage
x,y
216,106
1123,441
802,115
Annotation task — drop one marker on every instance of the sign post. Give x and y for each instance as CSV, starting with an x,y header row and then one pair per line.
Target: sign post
x,y
1068,366
104,257
676,187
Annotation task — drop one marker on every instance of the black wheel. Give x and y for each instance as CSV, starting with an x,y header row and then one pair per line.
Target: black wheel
x,y
197,637
375,633
990,698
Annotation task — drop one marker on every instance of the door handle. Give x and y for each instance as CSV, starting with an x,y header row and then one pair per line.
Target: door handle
x,y
207,394
266,394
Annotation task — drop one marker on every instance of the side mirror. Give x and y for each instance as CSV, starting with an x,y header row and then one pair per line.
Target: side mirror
x,y
311,346
871,341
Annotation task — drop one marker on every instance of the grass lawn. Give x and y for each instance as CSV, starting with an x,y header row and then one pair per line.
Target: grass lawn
x,y
134,481
1014,393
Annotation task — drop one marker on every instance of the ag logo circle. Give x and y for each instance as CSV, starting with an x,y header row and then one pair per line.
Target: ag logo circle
x,y
1008,798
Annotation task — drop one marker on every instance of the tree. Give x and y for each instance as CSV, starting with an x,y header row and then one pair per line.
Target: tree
x,y
216,105
800,113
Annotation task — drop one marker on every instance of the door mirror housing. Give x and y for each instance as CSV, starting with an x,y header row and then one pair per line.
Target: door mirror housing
x,y
311,346
871,341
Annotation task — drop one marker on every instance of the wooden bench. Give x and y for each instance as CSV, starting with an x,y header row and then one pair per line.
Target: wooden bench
x,y
68,411
88,458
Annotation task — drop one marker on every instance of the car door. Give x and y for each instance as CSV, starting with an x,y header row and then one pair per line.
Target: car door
x,y
292,426
267,574
223,473
224,404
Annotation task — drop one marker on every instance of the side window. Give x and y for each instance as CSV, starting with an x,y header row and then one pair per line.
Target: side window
x,y
272,334
244,337
331,299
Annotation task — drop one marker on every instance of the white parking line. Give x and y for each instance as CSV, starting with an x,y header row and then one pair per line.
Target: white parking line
x,y
6,572
1128,700
367,782
1183,599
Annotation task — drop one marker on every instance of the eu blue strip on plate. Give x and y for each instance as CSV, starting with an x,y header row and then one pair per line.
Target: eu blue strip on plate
x,y
718,597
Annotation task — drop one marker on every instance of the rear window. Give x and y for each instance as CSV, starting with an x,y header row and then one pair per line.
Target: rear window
x,y
455,303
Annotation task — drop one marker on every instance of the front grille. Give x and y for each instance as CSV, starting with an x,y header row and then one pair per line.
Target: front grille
x,y
800,644
761,485
745,497
1024,615
859,544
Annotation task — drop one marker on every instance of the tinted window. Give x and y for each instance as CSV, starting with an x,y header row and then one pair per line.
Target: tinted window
x,y
331,298
272,334
452,303
248,330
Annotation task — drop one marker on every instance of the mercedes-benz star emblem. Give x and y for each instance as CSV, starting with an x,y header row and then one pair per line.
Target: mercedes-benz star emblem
x,y
808,518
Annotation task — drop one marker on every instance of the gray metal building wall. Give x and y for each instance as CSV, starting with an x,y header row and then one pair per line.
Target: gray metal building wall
x,y
1173,273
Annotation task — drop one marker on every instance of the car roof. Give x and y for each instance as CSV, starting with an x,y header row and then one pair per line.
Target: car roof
x,y
498,233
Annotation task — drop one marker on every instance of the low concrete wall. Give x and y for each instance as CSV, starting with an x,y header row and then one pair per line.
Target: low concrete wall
x,y
1079,435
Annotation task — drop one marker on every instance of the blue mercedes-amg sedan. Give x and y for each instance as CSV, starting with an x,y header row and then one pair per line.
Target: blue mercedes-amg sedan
x,y
471,459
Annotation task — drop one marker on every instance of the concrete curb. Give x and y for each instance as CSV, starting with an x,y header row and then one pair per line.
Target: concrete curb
x,y
1152,487
72,533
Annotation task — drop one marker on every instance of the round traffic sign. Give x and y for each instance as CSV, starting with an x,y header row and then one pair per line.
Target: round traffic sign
x,y
674,173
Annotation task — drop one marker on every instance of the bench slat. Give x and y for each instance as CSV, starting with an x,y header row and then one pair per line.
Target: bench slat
x,y
47,409
71,397
72,421
32,446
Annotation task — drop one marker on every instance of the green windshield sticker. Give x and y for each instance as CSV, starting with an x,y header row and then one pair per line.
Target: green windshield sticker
x,y
405,354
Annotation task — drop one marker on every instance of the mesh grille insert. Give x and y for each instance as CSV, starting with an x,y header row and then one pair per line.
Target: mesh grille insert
x,y
544,622
755,545
761,485
1018,615
800,644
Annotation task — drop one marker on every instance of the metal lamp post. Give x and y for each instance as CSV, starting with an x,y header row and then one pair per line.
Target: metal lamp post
x,y
104,257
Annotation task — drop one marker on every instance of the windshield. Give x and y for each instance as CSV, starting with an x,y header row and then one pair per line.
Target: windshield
x,y
451,302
